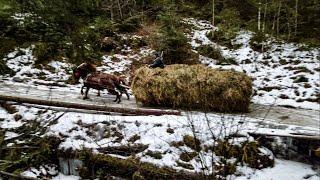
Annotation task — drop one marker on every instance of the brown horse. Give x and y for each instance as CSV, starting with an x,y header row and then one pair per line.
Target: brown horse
x,y
100,81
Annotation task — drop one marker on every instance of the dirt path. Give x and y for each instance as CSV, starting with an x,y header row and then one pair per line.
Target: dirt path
x,y
267,116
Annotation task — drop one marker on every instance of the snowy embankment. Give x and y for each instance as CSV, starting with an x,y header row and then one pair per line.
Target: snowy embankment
x,y
274,73
285,74
158,133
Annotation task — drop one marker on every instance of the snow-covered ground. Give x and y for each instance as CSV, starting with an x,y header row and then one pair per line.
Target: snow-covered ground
x,y
274,73
159,133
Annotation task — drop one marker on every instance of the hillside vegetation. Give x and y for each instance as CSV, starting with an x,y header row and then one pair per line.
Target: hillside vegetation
x,y
75,29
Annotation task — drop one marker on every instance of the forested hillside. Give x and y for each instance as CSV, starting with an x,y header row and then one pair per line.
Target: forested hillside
x,y
75,29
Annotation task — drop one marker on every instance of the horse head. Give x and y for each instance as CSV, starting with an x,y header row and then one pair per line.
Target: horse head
x,y
82,71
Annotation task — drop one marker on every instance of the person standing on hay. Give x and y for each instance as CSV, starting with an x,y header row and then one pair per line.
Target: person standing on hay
x,y
158,62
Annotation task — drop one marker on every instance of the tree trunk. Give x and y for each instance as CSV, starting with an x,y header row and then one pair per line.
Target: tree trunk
x,y
288,25
120,11
213,19
264,16
296,19
111,11
259,16
274,22
278,18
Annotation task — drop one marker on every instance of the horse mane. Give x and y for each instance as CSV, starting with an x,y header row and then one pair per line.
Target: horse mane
x,y
88,67
91,67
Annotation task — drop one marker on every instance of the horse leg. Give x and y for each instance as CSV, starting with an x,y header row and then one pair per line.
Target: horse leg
x,y
86,94
128,96
98,93
126,92
114,92
82,90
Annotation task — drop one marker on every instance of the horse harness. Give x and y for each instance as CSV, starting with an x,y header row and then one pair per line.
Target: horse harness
x,y
100,82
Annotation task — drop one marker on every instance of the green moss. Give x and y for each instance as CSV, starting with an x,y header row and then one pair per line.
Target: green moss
x,y
134,138
252,156
188,156
127,168
185,165
154,154
247,153
283,62
192,142
137,176
227,61
211,52
177,144
226,150
225,169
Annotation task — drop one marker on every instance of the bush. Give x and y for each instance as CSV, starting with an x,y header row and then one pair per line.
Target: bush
x,y
44,52
4,69
224,37
175,47
172,41
130,24
215,53
103,26
193,87
257,41
211,52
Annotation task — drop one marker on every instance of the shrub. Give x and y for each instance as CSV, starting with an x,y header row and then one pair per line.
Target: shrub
x,y
6,45
257,41
175,47
44,52
103,26
215,53
130,24
210,51
172,41
224,37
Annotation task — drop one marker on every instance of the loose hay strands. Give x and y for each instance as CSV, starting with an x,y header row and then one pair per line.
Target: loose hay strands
x,y
193,87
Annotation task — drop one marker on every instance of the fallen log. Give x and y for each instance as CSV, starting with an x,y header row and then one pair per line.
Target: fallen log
x,y
122,110
301,136
14,176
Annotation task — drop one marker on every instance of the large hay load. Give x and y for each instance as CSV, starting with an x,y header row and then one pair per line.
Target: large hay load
x,y
193,87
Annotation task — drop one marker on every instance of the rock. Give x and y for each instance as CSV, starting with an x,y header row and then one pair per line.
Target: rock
x,y
17,117
18,79
108,44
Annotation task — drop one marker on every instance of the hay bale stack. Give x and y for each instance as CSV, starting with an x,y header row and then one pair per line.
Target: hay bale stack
x,y
193,87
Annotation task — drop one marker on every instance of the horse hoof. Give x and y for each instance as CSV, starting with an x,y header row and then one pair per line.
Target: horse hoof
x,y
85,98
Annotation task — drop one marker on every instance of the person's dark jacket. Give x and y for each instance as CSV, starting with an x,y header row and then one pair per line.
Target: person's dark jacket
x,y
158,62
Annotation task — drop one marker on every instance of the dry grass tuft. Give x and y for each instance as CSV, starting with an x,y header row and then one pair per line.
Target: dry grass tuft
x,y
193,87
